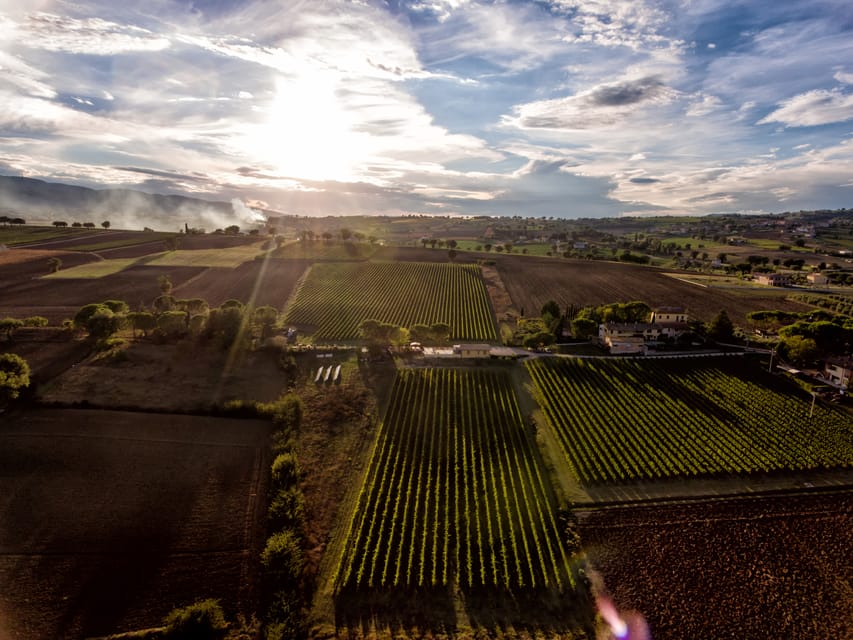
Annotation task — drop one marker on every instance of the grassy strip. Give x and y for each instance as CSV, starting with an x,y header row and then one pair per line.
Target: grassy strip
x,y
93,270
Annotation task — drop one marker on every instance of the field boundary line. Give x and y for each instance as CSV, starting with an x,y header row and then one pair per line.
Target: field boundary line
x,y
685,280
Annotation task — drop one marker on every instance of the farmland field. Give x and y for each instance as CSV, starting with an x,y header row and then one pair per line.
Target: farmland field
x,y
455,497
763,567
97,269
111,519
336,297
135,285
623,420
259,282
167,377
228,257
325,251
531,282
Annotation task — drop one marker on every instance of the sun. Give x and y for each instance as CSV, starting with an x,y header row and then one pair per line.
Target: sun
x,y
308,133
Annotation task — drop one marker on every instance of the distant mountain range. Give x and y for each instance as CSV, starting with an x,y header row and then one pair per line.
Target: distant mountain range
x,y
33,200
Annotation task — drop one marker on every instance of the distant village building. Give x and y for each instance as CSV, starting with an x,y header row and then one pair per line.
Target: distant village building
x,y
774,279
817,278
839,371
472,350
580,246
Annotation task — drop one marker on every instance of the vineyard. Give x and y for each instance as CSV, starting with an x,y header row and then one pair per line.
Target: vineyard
x,y
623,420
454,493
838,303
336,297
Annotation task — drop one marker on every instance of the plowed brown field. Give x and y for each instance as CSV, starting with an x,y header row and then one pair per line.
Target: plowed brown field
x,y
532,282
260,282
772,567
108,519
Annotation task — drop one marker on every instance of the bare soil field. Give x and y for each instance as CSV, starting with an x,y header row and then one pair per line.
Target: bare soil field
x,y
747,568
48,351
135,285
168,377
532,282
419,254
262,282
81,241
108,520
17,265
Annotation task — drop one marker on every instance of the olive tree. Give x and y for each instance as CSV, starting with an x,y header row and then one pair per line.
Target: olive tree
x,y
14,375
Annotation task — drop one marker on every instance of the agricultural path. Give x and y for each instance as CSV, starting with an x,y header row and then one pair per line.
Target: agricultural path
x,y
801,482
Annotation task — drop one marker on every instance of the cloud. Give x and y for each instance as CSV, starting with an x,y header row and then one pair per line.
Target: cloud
x,y
841,76
440,9
644,180
494,38
813,108
600,106
92,36
703,105
635,24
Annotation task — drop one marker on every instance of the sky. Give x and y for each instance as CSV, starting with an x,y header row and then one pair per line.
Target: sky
x,y
564,108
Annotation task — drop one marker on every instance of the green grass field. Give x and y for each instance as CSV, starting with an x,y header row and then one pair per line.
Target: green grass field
x,y
90,270
230,257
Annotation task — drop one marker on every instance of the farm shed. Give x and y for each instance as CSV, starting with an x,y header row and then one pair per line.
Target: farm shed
x,y
774,279
817,278
472,350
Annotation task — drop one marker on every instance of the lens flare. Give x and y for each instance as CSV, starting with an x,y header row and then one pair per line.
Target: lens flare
x,y
621,626
608,611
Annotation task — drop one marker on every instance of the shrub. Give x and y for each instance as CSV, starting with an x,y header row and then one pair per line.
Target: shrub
x,y
9,326
287,414
287,620
202,620
35,321
116,306
285,471
103,323
287,509
282,559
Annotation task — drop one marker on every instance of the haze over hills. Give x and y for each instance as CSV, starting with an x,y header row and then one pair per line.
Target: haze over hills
x,y
40,201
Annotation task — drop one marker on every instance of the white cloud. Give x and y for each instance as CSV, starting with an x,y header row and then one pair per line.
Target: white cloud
x,y
813,108
841,76
92,36
616,23
703,105
441,9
